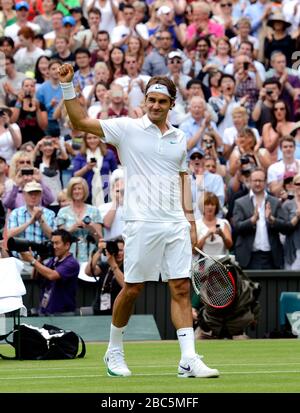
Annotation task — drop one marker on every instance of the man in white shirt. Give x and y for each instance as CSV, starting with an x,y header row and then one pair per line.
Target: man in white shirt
x,y
133,82
160,225
121,33
22,11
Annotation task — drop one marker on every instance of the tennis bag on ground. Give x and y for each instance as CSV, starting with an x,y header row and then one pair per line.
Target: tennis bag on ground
x,y
244,311
46,343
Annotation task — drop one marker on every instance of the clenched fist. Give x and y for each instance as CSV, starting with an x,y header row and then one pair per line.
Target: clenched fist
x,y
66,73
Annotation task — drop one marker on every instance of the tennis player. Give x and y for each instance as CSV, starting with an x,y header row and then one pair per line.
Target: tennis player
x,y
160,227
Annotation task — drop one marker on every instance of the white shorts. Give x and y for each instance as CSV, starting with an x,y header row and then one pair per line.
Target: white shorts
x,y
154,248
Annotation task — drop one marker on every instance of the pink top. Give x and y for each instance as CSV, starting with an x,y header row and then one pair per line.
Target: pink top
x,y
213,28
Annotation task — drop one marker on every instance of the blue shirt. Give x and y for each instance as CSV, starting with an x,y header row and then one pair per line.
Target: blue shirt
x,y
190,127
34,231
254,12
46,93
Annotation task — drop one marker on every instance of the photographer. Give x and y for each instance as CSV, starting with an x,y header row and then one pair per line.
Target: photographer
x,y
107,264
10,134
58,277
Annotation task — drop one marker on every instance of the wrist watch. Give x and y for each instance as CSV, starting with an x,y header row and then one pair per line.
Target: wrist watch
x,y
33,262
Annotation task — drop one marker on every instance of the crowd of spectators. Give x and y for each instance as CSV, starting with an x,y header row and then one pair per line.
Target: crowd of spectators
x,y
235,66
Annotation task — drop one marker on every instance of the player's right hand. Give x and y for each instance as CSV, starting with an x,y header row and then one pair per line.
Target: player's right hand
x,y
66,73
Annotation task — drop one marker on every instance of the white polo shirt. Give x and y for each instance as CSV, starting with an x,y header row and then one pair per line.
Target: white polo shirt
x,y
152,162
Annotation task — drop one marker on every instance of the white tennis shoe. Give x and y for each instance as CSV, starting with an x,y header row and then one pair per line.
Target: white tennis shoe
x,y
194,367
116,364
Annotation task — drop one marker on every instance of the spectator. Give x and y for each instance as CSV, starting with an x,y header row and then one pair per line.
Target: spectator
x,y
41,71
135,48
22,12
87,38
279,40
257,13
225,103
240,119
288,78
133,83
30,114
21,171
7,45
84,76
44,20
97,97
112,212
109,13
268,95
155,62
101,53
5,182
121,33
94,163
223,54
57,25
258,219
116,63
246,148
175,61
223,15
109,269
11,83
243,34
279,126
31,221
291,244
288,163
63,50
80,219
202,180
202,25
51,159
167,21
10,134
49,94
57,278
7,14
213,233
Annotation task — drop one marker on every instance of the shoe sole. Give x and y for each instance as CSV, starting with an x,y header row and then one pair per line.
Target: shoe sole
x,y
110,373
204,376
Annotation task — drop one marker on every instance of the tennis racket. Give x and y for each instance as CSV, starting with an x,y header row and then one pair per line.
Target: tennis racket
x,y
212,281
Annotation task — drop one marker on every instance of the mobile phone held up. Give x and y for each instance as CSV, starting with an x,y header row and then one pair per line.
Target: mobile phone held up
x,y
93,160
28,171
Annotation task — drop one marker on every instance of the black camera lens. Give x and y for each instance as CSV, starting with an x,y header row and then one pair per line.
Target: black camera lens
x,y
245,159
87,220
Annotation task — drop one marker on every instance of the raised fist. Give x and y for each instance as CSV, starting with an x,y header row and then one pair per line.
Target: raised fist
x,y
66,73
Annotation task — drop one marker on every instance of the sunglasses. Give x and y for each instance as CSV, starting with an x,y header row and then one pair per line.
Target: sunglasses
x,y
24,162
226,5
175,61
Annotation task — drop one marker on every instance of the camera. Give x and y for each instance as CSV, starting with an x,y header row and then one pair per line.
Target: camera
x,y
111,247
48,143
43,249
245,159
290,195
246,65
29,171
269,92
87,220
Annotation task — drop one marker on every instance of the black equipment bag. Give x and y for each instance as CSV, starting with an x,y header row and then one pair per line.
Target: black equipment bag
x,y
46,343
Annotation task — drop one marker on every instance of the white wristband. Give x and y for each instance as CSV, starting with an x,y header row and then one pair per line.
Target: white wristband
x,y
68,90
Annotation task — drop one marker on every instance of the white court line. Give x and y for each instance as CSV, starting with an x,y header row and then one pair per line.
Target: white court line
x,y
95,366
144,374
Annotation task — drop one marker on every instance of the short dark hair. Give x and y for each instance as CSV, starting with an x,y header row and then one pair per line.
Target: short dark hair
x,y
64,234
94,10
272,81
192,82
163,80
226,76
287,138
259,169
7,39
82,50
248,43
103,32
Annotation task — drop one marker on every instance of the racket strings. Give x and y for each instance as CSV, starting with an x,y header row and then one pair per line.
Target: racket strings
x,y
213,282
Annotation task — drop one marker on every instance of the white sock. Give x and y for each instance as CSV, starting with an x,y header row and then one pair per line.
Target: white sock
x,y
116,337
186,339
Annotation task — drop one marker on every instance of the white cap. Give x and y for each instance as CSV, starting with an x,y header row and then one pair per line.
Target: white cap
x,y
163,10
175,53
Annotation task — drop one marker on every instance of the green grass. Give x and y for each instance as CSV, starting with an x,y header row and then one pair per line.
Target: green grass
x,y
256,366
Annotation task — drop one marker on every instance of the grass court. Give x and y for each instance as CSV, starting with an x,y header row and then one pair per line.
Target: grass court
x,y
254,366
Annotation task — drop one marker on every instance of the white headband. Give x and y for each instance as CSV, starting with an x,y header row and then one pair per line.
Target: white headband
x,y
158,88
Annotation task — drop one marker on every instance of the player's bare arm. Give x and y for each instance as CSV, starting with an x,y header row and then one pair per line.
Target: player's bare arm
x,y
187,204
77,114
